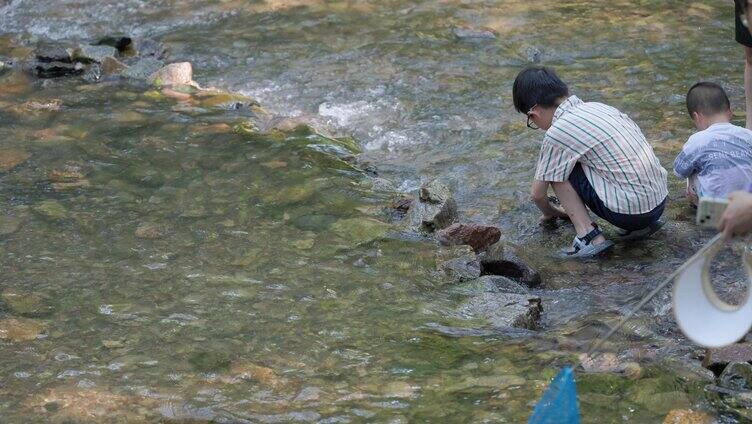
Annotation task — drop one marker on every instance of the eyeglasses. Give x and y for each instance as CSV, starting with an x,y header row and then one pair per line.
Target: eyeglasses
x,y
531,124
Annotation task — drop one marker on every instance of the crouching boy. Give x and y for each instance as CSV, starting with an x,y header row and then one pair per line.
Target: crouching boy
x,y
595,158
716,160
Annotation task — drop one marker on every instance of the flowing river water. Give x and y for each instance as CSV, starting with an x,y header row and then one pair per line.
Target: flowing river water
x,y
161,263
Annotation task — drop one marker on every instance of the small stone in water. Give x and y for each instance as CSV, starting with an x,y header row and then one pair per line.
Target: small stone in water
x,y
113,344
209,361
11,158
51,210
9,224
30,305
603,362
687,416
149,231
20,329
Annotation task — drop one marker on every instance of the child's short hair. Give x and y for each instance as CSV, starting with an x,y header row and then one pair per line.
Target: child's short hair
x,y
707,98
537,86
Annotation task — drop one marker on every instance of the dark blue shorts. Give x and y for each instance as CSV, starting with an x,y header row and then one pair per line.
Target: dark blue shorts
x,y
589,197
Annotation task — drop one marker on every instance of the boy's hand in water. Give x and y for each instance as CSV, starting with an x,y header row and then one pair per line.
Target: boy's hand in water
x,y
737,219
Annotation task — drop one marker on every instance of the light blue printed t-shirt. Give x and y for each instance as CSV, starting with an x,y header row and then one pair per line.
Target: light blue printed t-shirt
x,y
720,157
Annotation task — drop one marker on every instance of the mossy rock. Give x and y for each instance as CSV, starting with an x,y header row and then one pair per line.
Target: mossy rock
x,y
51,210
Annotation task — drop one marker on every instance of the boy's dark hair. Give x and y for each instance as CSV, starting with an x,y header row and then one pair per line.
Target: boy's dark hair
x,y
537,86
708,98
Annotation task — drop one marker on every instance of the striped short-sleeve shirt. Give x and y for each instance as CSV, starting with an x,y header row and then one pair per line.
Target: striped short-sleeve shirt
x,y
617,159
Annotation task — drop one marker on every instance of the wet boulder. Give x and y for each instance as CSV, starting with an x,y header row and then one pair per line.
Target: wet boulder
x,y
434,209
122,44
506,309
479,237
173,74
462,265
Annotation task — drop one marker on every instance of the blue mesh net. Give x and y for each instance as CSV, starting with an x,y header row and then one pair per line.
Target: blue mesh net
x,y
558,405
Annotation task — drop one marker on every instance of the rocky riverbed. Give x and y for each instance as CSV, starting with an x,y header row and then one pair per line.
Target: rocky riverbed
x,y
337,232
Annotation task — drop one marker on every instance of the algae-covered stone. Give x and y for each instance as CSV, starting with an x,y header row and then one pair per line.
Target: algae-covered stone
x,y
51,210
360,230
32,305
223,100
11,158
257,373
20,329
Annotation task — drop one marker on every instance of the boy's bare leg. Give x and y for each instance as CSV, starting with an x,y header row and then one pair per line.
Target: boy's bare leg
x,y
576,210
748,84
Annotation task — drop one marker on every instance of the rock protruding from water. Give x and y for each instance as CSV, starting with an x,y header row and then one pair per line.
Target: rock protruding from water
x,y
463,266
506,309
89,54
180,73
434,209
479,237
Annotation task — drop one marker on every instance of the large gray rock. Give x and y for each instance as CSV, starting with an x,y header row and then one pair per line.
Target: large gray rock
x,y
47,53
434,209
506,309
463,265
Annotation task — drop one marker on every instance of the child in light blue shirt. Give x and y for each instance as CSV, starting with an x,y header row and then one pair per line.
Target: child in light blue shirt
x,y
718,159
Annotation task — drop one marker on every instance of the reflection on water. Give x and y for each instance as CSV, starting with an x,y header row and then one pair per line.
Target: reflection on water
x,y
162,261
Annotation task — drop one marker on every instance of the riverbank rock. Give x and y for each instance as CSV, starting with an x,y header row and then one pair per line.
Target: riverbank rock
x,y
11,158
506,309
180,73
687,416
434,209
511,266
717,359
479,237
463,265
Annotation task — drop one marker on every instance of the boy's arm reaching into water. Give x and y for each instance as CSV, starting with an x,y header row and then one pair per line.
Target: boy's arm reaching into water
x,y
539,196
